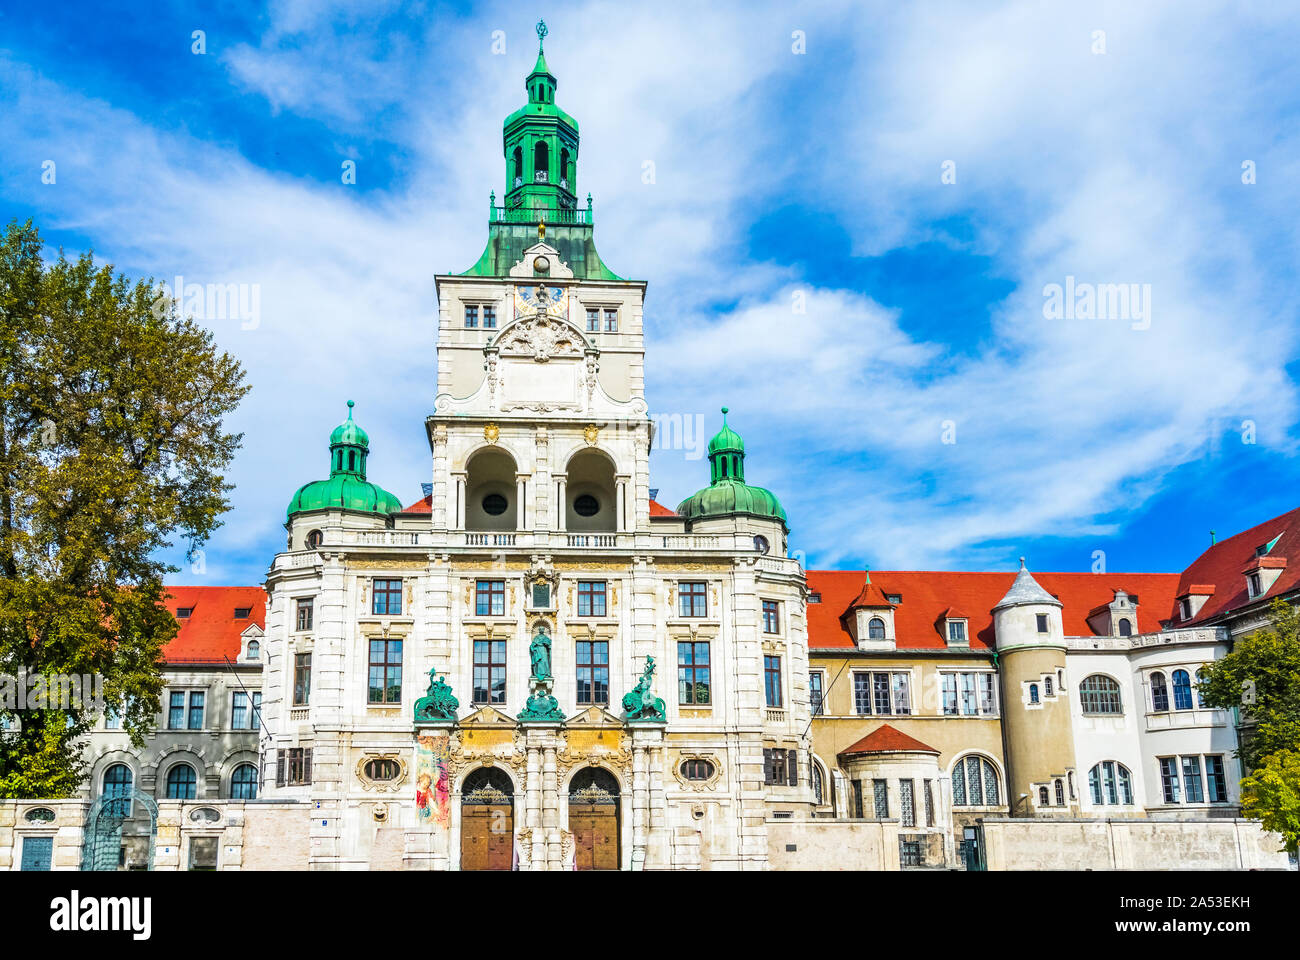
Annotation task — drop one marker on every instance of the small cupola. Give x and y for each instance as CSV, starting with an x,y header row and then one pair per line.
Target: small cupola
x,y
727,493
347,487
869,619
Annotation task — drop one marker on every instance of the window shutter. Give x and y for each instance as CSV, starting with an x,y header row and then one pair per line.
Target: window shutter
x,y
279,768
792,767
306,765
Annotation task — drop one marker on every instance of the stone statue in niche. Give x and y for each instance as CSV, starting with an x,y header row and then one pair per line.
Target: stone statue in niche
x,y
540,652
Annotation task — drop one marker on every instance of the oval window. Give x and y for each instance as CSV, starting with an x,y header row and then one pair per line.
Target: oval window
x,y
697,769
586,506
382,769
494,504
314,539
40,815
205,815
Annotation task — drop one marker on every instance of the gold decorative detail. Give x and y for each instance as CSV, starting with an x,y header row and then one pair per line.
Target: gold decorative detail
x,y
591,433
491,433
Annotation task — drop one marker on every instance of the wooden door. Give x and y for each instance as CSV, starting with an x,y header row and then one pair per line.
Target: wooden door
x,y
595,835
487,836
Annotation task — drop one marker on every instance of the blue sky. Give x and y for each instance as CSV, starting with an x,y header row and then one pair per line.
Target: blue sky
x,y
779,178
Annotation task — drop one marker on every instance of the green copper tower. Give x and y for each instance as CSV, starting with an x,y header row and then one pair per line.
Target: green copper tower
x,y
347,487
728,493
540,143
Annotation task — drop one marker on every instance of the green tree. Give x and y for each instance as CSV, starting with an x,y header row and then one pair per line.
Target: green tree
x,y
111,447
1271,795
1267,665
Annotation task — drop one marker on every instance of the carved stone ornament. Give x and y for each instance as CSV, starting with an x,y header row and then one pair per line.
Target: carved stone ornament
x,y
491,433
591,433
541,337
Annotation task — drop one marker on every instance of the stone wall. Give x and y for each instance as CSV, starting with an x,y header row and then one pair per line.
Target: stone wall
x,y
832,844
1151,844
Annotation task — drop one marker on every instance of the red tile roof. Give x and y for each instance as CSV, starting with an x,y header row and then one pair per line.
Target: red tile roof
x,y
1223,563
659,510
424,505
926,594
885,739
211,631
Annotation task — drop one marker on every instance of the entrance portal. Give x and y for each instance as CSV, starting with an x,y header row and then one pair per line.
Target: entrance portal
x,y
593,819
487,822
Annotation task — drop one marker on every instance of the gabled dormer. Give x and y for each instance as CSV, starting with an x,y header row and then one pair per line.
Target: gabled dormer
x,y
869,619
1117,618
1190,603
1261,573
954,627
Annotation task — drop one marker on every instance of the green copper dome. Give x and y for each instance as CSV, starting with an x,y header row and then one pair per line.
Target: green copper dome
x,y
727,492
347,487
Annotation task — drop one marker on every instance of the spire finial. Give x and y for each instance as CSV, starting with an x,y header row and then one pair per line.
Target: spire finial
x,y
725,411
541,34
1022,563
350,406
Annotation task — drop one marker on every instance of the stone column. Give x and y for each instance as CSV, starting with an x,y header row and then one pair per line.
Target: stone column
x,y
533,807
621,518
562,501
456,517
551,808
649,819
521,498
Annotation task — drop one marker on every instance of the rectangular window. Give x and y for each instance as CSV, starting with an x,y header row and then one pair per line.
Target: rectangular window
x,y
489,671
907,810
593,320
1215,778
950,694
38,852
387,599
183,613
1042,623
196,710
611,320
880,691
1254,582
591,598
1108,775
771,617
301,679
489,316
112,719
593,671
1169,778
303,621
471,315
881,788
176,711
988,699
862,693
909,852
774,764
490,598
815,693
969,707
693,672
385,671
691,601
293,766
239,711
929,803
1192,780
772,680
957,632
902,694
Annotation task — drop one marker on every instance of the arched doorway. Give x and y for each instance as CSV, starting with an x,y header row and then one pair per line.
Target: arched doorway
x,y
487,822
593,819
121,827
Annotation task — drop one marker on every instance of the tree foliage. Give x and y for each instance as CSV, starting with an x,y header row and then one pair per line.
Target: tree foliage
x,y
1266,663
112,447
1271,795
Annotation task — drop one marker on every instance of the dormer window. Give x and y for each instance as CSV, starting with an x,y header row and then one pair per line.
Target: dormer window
x,y
814,598
243,613
894,597
1125,628
876,629
1253,585
957,633
183,613
254,649
1184,609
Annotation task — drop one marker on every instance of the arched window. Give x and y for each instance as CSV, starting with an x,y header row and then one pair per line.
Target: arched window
x,y
1100,694
181,782
564,168
254,648
1182,690
1060,793
314,539
1125,628
1042,796
1033,693
876,629
243,782
1159,693
1070,779
1110,784
517,168
1047,686
818,788
974,783
541,162
118,780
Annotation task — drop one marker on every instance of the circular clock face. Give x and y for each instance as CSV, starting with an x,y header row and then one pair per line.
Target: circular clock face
x,y
761,544
541,264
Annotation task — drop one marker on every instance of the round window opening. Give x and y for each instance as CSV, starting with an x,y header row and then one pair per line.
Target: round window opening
x,y
761,544
494,504
40,815
697,769
382,770
586,506
314,539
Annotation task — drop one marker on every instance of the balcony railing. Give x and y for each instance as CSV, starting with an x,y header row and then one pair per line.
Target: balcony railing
x,y
539,214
